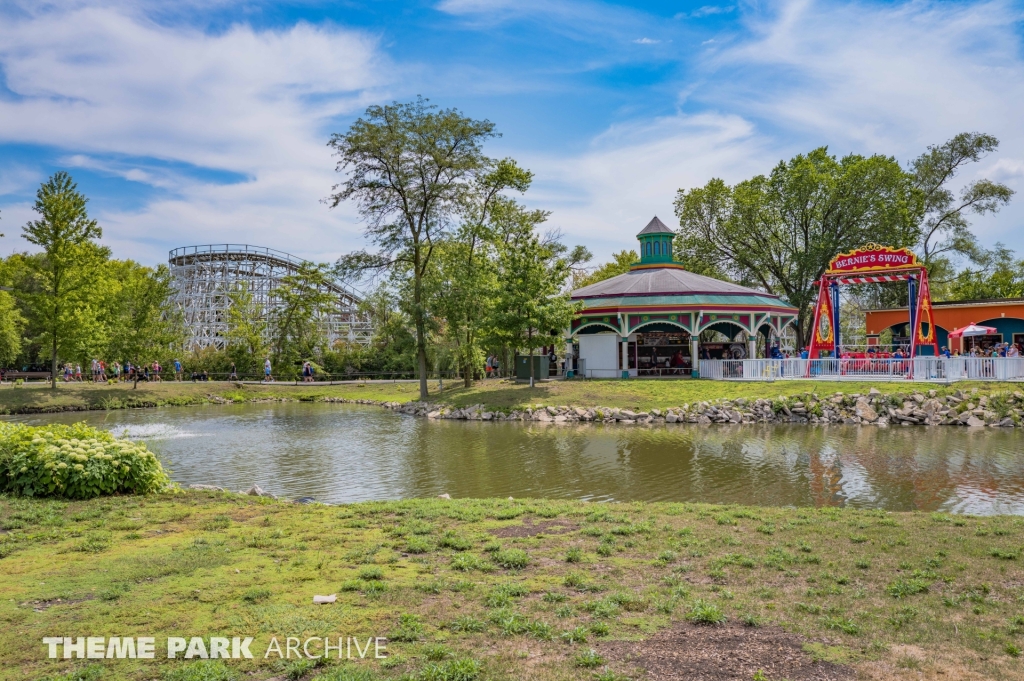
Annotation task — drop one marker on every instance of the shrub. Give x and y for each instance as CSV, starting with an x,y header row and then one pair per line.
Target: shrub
x,y
75,462
574,555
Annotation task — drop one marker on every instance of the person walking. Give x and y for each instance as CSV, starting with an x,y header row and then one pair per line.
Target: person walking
x,y
267,376
234,374
177,370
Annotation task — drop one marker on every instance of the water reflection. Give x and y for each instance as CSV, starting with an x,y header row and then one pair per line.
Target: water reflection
x,y
341,453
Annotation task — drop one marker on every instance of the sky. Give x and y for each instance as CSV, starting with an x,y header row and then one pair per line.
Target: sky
x,y
207,121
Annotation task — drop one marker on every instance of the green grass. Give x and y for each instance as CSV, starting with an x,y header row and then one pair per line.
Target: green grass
x,y
169,565
495,394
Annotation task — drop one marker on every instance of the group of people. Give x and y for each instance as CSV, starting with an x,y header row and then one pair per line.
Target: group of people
x,y
996,350
492,367
101,372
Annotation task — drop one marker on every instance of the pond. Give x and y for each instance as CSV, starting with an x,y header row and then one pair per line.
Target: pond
x,y
343,453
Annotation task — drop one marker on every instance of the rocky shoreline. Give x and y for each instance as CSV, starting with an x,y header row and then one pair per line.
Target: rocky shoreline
x,y
968,409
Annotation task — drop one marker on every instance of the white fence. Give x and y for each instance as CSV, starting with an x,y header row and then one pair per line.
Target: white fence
x,y
940,369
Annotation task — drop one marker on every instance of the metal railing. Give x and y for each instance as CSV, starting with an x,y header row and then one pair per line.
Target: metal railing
x,y
943,369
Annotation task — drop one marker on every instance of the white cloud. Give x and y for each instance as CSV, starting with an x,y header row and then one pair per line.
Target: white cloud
x,y
884,79
604,196
258,104
646,41
857,77
17,178
709,10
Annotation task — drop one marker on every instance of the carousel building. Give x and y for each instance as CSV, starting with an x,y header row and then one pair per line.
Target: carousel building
x,y
648,321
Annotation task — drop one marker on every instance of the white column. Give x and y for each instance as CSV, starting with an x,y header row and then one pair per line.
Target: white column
x,y
694,355
625,355
751,347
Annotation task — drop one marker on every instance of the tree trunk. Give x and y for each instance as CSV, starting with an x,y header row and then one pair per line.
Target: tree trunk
x,y
53,365
529,341
421,327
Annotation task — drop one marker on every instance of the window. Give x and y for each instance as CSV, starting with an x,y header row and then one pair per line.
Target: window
x,y
648,248
657,248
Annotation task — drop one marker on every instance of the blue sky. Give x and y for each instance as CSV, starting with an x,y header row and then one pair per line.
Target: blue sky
x,y
206,121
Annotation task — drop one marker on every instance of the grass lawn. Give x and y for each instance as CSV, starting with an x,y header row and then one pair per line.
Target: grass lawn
x,y
497,589
495,394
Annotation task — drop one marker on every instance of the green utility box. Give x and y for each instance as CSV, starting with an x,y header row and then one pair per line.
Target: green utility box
x,y
540,367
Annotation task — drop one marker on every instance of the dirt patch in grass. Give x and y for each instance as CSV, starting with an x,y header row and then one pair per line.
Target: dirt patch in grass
x,y
531,529
723,653
40,606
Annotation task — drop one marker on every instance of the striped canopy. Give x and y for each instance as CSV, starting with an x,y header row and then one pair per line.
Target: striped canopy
x,y
972,330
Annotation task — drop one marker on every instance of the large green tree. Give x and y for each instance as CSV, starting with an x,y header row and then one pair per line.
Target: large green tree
x,y
995,273
779,232
12,323
464,281
143,326
409,167
66,275
248,330
531,301
945,229
297,325
619,264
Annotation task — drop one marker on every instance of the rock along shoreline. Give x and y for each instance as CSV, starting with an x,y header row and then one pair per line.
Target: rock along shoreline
x,y
961,408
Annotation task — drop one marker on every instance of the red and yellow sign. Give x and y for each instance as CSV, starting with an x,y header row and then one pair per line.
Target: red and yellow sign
x,y
873,257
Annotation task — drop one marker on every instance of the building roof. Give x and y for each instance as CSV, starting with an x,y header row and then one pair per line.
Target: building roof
x,y
981,302
655,226
663,281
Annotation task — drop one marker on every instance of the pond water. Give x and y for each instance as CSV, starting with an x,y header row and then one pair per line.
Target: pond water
x,y
342,453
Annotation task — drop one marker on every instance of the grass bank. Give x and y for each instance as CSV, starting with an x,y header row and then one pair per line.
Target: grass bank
x,y
495,394
500,589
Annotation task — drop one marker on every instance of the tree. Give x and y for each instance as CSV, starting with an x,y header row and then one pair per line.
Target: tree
x,y
297,324
780,232
945,230
999,275
144,325
11,325
619,264
67,317
533,272
247,332
409,168
464,281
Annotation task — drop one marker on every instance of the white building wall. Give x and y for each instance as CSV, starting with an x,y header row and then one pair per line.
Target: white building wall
x,y
600,351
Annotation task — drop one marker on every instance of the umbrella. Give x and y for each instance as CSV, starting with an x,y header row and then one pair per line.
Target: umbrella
x,y
972,329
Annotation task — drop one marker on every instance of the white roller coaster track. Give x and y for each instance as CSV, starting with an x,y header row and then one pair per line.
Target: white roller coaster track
x,y
205,275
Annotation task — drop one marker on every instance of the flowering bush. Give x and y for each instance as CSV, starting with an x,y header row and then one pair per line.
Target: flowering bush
x,y
75,462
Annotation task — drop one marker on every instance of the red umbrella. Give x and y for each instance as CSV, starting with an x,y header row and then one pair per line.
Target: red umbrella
x,y
972,329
